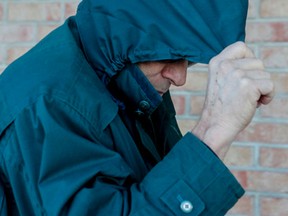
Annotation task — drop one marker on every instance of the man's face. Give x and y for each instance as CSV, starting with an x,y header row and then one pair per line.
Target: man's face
x,y
162,74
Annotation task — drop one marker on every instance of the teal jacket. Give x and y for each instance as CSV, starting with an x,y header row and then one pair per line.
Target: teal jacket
x,y
83,132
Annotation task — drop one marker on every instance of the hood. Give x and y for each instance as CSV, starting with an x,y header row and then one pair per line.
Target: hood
x,y
116,33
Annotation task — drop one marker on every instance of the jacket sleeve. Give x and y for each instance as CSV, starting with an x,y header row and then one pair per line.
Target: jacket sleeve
x,y
57,168
192,174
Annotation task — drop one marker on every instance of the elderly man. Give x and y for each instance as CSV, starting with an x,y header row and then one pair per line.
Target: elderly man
x,y
87,126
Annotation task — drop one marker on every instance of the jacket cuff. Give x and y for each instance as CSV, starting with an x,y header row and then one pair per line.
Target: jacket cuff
x,y
208,177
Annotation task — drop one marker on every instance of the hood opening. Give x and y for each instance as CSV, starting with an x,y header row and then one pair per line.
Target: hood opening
x,y
116,33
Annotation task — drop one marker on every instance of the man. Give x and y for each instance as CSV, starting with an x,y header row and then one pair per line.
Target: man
x,y
87,124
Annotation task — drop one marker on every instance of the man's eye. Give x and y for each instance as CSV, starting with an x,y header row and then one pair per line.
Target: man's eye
x,y
170,61
179,60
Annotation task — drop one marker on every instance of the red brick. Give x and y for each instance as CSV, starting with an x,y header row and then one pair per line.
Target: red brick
x,y
1,11
197,103
274,206
44,30
53,11
253,9
17,33
15,52
2,54
273,8
276,31
186,125
265,133
244,206
196,81
34,11
275,57
276,109
239,156
264,182
70,9
2,68
179,104
241,176
281,81
274,157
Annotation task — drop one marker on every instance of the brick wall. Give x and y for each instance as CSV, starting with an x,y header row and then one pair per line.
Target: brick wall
x,y
259,157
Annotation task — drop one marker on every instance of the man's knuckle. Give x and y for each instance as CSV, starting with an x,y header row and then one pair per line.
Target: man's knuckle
x,y
240,44
225,65
260,63
214,61
271,86
238,73
267,75
246,83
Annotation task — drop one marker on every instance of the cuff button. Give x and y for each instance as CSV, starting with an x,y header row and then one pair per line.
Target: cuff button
x,y
186,206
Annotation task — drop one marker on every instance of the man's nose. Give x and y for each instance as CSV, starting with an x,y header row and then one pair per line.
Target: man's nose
x,y
176,73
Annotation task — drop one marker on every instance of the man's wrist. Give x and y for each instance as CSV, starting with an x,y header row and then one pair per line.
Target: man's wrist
x,y
216,137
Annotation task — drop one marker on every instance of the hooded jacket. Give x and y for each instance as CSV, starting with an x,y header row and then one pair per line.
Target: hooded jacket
x,y
83,132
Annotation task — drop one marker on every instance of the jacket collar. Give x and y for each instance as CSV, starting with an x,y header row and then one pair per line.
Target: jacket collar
x,y
132,90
